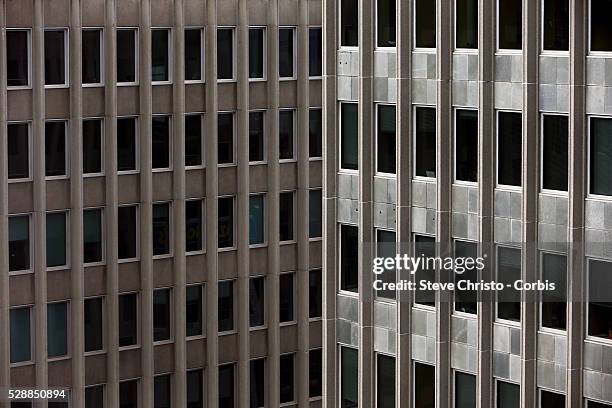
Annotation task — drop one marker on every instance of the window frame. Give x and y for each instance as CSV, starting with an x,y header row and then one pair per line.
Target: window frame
x,y
137,245
544,51
264,196
378,298
587,337
30,244
375,29
455,110
29,55
295,381
171,327
317,158
320,27
339,256
454,372
136,144
340,346
234,329
202,286
496,318
170,253
293,297
136,31
30,150
507,51
67,145
102,237
170,117
202,135
202,54
68,354
32,360
66,83
203,204
265,132
234,226
294,118
341,47
589,194
234,138
454,311
589,27
412,386
295,52
170,32
341,169
497,380
415,48
414,143
462,50
103,385
265,304
413,276
263,28
376,115
102,56
138,320
376,373
293,240
319,238
320,272
67,244
234,54
543,190
498,186
102,171
104,326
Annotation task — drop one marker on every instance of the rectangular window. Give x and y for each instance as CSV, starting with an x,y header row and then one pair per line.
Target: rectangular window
x,y
55,148
161,229
349,136
57,329
315,213
424,385
128,319
599,321
466,145
195,389
161,315
18,139
466,24
160,142
349,246
194,64
509,148
554,303
286,306
315,52
425,141
556,25
600,156
127,141
55,57
287,391
385,23
509,24
127,223
555,144
194,146
19,243
286,214
92,235
315,373
593,404
256,219
17,58
127,56
94,396
315,294
425,24
508,395
162,391
258,383
21,334
194,303
466,300
315,133
93,324
256,136
226,222
56,239
128,394
385,140
385,381
552,399
465,390
92,146
226,385
508,272
257,305
225,135
601,25
286,53
349,377
257,46
386,247
226,306
286,135
91,54
425,246
349,23
160,55
225,53
194,225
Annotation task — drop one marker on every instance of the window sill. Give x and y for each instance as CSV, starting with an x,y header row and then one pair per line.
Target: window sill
x,y
124,84
19,88
258,328
22,364
128,348
506,187
348,293
315,78
20,180
97,85
163,342
198,167
226,165
154,83
286,324
93,175
425,179
502,51
162,256
57,86
257,79
93,264
315,159
257,163
59,268
465,315
291,160
416,49
553,53
162,170
348,47
598,340
128,260
58,358
385,175
598,197
506,322
17,273
127,172
195,337
315,239
348,171
463,51
380,48
315,319
557,193
194,81
226,81
52,178
463,183
227,333
257,246
549,330
426,308
194,253
289,242
94,353
286,79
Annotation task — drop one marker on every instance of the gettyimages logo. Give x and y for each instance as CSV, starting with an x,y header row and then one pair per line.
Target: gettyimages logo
x,y
412,265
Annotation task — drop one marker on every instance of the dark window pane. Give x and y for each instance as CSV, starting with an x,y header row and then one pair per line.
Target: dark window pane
x,y
94,396
285,133
425,247
225,129
386,15
162,393
257,307
19,243
126,55
555,155
600,306
128,320
601,156
93,324
386,247
193,54
508,395
425,156
226,222
466,145
425,22
592,404
161,314
349,245
126,237
257,373
601,25
57,329
256,136
286,295
349,378
193,140
160,143
92,146
161,229
315,294
256,52
386,139
256,219
193,310
510,24
159,55
225,53
193,226
55,148
466,21
424,385
554,303
285,53
195,394
55,57
92,235
508,272
315,216
315,373
286,216
18,151
349,134
20,338
315,130
465,390
17,55
128,394
91,52
315,52
556,25
56,239
552,399
509,148
349,23
226,306
226,386
126,144
287,392
385,381
466,300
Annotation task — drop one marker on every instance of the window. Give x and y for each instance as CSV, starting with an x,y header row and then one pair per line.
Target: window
x,y
593,404
466,300
510,24
385,140
128,320
385,23
57,329
18,139
349,377
425,246
466,145
126,144
91,54
465,390
194,66
425,24
349,246
161,314
257,306
161,229
551,399
424,385
160,50
385,381
315,213
286,53
508,272
194,301
92,235
554,152
226,222
226,385
509,148
93,326
56,239
315,52
21,334
599,321
349,23
286,210
55,148
349,136
127,235
286,135
226,306
256,136
315,373
556,25
17,58
554,303
601,156
195,391
127,55
315,133
162,391
466,24
55,57
19,243
256,219
194,227
257,374
386,247
94,396
194,145
92,146
257,46
287,392
508,395
315,294
225,53
601,25
225,129
286,307
425,141
128,394
160,143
